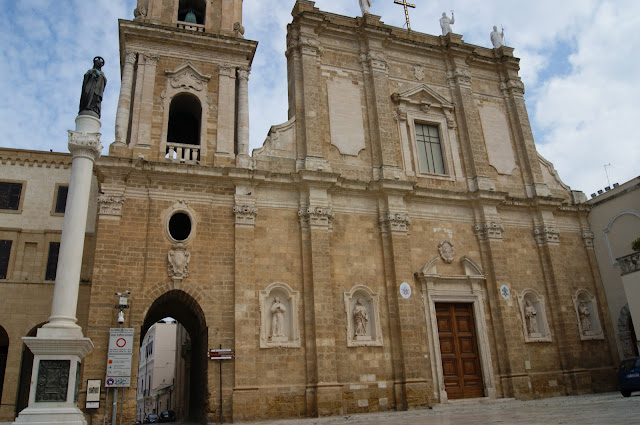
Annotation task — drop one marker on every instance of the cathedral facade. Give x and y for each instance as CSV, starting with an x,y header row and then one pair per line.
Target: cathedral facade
x,y
397,243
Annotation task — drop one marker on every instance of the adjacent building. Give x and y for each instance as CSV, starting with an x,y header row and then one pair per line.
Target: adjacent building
x,y
615,222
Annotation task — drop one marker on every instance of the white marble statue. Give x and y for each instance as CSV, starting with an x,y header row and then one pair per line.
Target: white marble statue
x,y
532,322
445,23
360,319
277,319
364,7
497,38
585,322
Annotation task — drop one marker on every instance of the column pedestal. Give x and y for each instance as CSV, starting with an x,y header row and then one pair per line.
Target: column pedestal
x,y
59,345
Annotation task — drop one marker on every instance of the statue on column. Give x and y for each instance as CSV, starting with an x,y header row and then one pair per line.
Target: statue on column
x,y
445,23
92,89
364,7
497,38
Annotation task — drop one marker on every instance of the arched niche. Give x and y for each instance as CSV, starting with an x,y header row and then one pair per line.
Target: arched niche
x,y
534,316
362,307
279,305
186,106
587,314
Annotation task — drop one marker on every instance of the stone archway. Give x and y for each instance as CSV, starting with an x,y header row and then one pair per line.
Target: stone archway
x,y
186,310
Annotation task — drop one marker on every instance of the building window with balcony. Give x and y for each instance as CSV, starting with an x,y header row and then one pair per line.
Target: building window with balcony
x,y
5,253
429,149
183,132
11,195
52,261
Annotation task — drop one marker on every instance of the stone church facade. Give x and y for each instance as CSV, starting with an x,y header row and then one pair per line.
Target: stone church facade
x,y
397,243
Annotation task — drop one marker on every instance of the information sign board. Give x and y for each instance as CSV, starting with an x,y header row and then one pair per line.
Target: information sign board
x,y
119,358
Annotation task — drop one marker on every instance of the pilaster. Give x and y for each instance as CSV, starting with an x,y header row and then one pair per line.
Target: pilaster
x,y
407,336
324,393
145,85
246,299
242,159
226,111
489,231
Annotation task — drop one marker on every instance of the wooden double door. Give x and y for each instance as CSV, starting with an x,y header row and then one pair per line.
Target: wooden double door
x,y
459,351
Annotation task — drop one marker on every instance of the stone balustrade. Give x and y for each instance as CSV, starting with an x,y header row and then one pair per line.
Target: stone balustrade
x,y
629,263
191,27
180,152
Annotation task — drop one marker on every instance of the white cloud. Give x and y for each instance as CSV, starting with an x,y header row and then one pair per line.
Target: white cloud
x,y
582,109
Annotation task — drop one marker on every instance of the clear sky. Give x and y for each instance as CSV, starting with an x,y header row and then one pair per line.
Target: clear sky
x,y
579,62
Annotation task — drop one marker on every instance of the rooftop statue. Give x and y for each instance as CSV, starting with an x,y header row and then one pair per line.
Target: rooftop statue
x,y
497,38
92,89
364,7
445,23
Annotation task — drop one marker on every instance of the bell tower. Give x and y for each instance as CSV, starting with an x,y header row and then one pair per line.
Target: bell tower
x,y
184,95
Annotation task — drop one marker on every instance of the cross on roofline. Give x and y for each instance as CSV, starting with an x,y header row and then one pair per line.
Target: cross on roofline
x,y
406,10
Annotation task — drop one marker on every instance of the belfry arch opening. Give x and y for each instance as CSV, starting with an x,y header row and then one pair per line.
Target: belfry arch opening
x,y
185,119
185,394
192,11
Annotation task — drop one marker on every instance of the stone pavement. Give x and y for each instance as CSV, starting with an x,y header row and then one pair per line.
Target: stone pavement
x,y
592,409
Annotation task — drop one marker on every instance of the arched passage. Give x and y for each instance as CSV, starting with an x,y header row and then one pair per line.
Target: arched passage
x,y
4,350
185,118
26,367
186,310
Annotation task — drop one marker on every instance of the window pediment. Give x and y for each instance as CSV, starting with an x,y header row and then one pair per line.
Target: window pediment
x,y
187,76
424,97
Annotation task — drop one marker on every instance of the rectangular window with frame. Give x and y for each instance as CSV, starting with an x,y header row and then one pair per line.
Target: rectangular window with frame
x,y
10,194
5,253
52,261
61,199
429,149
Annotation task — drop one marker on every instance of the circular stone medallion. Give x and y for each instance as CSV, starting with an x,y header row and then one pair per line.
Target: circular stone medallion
x,y
405,290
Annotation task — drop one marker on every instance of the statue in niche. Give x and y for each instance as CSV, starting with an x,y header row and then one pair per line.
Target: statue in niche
x,y
585,321
532,318
497,38
92,89
277,320
445,23
360,319
364,7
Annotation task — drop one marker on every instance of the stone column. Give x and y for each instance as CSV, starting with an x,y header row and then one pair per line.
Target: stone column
x,y
124,102
226,111
242,159
143,107
59,345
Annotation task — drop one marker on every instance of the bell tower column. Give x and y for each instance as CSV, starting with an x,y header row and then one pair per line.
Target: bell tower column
x,y
124,102
242,160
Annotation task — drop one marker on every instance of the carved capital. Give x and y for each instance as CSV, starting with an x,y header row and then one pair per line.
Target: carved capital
x,y
130,57
316,216
151,59
178,257
587,238
110,205
245,214
460,76
227,70
309,46
489,230
377,61
395,222
243,73
546,235
513,86
85,144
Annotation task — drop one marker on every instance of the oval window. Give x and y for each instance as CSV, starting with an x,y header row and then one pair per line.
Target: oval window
x,y
180,226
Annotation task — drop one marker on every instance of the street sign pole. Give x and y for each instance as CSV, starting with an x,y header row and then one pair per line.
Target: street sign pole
x,y
220,355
